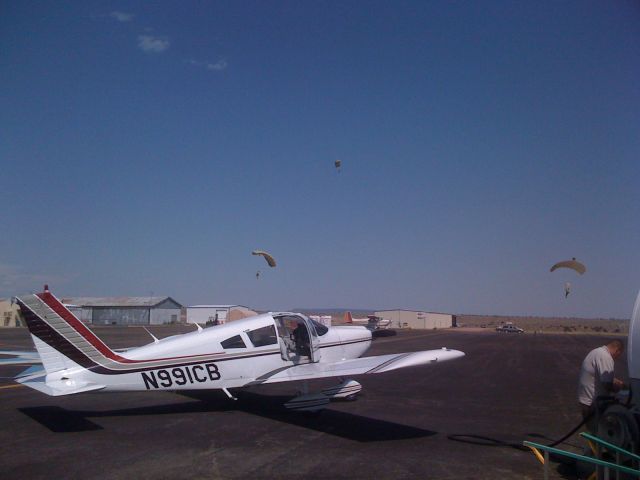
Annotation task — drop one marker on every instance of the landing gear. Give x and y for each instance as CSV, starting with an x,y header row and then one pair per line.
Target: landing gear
x,y
618,426
312,402
345,390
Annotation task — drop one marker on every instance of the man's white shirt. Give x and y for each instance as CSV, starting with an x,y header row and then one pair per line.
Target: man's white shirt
x,y
597,369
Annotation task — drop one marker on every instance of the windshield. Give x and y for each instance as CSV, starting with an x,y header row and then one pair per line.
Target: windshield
x,y
320,328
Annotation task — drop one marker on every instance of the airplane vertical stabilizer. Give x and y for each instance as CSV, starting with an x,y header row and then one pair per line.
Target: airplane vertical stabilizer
x,y
61,339
52,360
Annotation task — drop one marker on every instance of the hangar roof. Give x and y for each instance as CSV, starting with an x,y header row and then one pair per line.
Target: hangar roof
x,y
216,306
117,301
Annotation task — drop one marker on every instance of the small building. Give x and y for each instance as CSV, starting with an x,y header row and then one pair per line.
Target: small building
x,y
10,314
414,319
124,310
222,313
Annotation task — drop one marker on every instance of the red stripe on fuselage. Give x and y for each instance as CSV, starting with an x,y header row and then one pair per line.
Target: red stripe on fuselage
x,y
80,327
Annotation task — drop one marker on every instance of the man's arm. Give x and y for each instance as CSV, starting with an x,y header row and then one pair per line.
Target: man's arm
x,y
604,365
618,385
614,386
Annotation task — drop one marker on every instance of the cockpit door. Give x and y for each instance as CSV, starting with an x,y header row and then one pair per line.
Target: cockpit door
x,y
298,339
314,342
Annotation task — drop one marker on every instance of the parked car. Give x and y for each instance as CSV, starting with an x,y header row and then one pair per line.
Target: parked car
x,y
508,328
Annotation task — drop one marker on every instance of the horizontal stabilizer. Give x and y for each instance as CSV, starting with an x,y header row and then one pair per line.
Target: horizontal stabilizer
x,y
32,370
57,388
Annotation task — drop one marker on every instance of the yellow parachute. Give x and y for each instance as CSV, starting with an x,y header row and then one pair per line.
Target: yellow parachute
x,y
270,260
573,264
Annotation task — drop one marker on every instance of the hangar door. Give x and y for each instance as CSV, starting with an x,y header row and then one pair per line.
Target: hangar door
x,y
120,316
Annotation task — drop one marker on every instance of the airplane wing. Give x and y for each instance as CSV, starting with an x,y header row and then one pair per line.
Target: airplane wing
x,y
358,366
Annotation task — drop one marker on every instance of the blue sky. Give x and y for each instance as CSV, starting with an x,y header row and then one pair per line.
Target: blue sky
x,y
150,147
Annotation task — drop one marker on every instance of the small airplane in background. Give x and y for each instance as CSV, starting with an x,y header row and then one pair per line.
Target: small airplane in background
x,y
372,322
268,348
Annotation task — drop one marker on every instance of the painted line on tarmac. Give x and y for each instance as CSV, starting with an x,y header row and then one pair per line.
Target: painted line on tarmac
x,y
15,346
11,386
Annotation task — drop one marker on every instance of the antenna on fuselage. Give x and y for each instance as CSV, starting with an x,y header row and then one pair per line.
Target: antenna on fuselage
x,y
155,340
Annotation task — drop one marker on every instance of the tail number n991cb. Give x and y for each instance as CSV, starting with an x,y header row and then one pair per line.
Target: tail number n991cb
x,y
179,376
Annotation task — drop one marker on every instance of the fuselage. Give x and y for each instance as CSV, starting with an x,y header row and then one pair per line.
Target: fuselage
x,y
226,356
268,348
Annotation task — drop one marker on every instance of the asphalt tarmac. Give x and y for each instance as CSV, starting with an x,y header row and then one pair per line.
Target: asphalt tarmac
x,y
451,421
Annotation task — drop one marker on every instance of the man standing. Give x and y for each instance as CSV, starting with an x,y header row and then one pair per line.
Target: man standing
x,y
596,375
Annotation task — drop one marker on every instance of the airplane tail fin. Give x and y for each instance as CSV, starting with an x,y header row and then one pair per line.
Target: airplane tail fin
x,y
61,339
347,317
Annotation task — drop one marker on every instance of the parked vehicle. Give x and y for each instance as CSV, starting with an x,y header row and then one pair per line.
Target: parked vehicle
x,y
509,328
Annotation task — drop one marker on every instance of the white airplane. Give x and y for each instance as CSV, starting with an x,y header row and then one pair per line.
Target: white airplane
x,y
268,348
372,322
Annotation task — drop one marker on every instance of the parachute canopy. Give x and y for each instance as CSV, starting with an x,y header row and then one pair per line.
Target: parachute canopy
x,y
572,264
270,260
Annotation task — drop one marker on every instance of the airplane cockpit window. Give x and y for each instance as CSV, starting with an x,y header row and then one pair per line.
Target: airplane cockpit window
x,y
320,328
263,336
233,342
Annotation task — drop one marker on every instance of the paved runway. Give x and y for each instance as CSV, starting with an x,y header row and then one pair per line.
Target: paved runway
x,y
445,422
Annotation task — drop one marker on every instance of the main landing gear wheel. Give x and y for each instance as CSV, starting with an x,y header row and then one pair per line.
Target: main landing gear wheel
x,y
346,390
618,426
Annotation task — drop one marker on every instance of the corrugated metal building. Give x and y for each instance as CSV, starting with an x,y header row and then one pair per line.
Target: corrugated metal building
x,y
10,314
413,319
124,310
223,313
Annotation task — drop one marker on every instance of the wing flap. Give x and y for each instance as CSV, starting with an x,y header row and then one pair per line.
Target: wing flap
x,y
358,366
